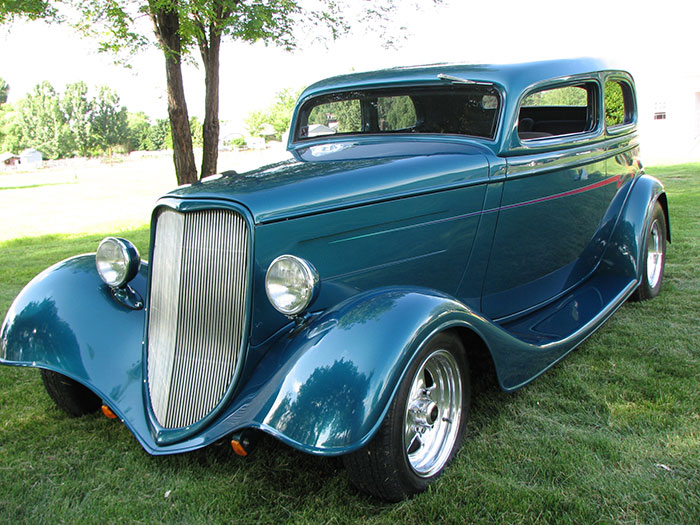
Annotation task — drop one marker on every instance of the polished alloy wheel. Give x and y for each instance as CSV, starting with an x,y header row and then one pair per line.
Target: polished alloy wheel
x,y
433,413
655,255
424,426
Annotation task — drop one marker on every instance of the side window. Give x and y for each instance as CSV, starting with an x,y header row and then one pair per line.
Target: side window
x,y
565,96
395,113
344,116
558,111
618,103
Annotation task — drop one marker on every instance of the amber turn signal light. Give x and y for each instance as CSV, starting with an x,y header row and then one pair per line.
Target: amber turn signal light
x,y
238,448
108,412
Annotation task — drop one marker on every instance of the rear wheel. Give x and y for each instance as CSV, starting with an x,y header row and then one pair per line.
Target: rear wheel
x,y
654,257
70,396
423,428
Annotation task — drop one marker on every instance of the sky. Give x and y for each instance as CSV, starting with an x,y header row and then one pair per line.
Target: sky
x,y
645,38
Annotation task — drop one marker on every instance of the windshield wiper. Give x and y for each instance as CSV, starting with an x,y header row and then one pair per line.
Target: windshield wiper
x,y
458,80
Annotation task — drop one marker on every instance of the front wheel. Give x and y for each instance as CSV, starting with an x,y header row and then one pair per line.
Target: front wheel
x,y
654,257
69,395
423,428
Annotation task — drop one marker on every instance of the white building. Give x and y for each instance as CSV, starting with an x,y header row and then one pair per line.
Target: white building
x,y
669,117
30,158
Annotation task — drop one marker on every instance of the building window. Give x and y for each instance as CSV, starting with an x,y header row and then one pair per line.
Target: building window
x,y
660,115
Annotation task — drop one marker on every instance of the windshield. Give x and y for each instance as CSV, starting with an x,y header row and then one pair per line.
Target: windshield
x,y
458,110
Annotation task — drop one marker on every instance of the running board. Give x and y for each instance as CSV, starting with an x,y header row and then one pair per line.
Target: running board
x,y
537,341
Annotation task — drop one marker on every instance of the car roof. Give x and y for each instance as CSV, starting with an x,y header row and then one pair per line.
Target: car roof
x,y
512,77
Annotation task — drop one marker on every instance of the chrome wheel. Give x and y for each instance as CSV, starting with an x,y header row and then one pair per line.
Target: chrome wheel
x,y
433,413
655,255
424,426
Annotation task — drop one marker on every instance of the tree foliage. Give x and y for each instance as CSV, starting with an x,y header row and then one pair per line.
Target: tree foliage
x,y
197,131
564,96
4,91
109,126
10,10
9,129
65,125
396,112
254,123
281,111
346,115
144,136
278,115
42,124
614,104
77,110
139,132
161,135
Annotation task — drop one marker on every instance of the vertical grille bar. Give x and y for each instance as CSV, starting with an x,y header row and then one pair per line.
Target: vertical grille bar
x,y
198,297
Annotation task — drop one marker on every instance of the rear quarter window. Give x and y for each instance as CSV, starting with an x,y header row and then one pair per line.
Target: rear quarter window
x,y
619,103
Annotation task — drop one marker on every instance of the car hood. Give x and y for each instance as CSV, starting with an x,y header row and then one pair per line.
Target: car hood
x,y
339,175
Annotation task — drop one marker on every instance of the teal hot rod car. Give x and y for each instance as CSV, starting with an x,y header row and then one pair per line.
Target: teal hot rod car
x,y
427,217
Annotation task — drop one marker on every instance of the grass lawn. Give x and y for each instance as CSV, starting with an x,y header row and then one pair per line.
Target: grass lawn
x,y
612,434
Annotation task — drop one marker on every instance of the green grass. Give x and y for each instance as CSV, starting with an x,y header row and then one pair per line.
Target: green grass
x,y
611,435
30,186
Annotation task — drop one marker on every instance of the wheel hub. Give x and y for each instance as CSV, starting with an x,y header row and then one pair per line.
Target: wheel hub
x,y
424,412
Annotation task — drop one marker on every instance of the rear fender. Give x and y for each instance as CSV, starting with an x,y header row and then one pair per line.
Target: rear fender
x,y
626,248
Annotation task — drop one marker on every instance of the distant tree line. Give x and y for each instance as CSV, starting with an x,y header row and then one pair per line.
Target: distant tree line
x,y
74,124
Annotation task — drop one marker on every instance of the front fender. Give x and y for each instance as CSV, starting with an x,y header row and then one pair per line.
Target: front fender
x,y
338,376
67,320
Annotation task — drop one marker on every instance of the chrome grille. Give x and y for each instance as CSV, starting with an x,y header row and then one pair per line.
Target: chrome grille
x,y
196,313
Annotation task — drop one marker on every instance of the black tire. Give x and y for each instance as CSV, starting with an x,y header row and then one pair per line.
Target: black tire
x,y
69,395
392,471
654,257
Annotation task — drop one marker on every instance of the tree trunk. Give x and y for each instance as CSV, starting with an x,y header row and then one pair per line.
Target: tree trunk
x,y
167,24
210,56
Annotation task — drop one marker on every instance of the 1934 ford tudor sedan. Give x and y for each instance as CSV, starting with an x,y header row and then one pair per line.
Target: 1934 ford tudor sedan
x,y
427,217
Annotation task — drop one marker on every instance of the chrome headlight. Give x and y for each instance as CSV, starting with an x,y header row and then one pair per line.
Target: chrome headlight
x,y
117,261
291,284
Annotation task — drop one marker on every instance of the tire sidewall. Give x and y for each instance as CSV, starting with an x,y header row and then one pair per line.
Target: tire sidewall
x,y
70,396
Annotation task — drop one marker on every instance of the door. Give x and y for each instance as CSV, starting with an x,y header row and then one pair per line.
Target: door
x,y
555,211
